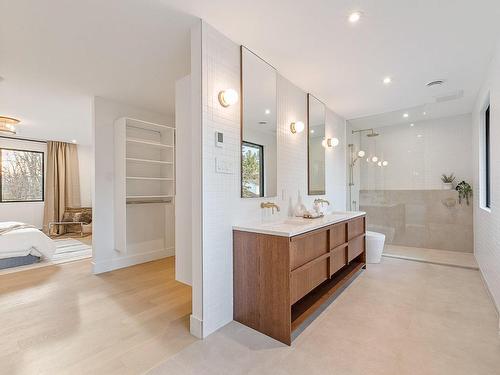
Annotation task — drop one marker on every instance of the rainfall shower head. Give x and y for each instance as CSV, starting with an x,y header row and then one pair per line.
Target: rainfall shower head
x,y
371,134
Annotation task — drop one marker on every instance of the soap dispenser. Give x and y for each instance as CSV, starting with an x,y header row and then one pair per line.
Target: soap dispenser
x,y
300,208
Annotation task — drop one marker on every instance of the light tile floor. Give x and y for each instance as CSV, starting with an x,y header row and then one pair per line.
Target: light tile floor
x,y
452,258
399,317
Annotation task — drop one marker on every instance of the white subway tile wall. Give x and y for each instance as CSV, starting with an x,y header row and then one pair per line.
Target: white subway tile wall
x,y
487,224
222,205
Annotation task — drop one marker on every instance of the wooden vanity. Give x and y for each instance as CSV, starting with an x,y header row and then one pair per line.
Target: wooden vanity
x,y
281,281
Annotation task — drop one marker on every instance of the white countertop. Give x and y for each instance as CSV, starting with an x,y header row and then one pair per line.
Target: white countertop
x,y
293,226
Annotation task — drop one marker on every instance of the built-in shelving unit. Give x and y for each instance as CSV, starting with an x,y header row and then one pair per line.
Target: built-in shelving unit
x,y
144,170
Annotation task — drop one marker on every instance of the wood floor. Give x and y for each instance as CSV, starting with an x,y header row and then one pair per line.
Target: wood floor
x,y
64,320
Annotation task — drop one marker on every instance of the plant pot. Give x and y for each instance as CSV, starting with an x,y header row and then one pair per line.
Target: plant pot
x,y
447,186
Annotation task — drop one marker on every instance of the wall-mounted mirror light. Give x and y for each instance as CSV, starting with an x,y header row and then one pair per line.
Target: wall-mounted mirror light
x,y
297,127
259,140
316,145
228,97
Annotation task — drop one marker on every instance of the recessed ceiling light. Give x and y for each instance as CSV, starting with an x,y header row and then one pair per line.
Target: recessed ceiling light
x,y
312,131
267,111
419,135
354,17
387,80
405,115
424,113
412,124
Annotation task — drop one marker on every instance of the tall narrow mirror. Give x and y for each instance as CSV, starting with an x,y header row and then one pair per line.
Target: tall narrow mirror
x,y
316,149
258,127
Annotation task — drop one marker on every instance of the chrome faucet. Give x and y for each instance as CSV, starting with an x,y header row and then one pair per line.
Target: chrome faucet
x,y
321,201
270,205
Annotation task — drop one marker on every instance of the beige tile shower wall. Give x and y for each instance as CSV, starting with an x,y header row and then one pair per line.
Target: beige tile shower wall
x,y
431,219
222,205
487,223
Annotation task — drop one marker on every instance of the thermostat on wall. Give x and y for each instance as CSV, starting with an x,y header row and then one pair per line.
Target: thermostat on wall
x,y
219,139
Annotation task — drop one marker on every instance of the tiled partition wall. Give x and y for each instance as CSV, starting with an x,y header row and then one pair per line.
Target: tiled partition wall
x,y
431,219
487,222
222,205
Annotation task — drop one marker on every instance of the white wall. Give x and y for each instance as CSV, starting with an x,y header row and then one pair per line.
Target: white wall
x,y
487,223
222,205
183,181
105,258
418,155
85,165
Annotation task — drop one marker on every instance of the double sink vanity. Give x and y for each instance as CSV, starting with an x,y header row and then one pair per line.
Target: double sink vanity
x,y
286,271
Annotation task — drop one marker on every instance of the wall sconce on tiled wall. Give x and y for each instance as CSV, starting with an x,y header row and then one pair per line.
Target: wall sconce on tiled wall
x,y
228,97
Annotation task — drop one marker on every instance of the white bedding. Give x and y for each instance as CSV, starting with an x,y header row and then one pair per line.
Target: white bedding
x,y
25,241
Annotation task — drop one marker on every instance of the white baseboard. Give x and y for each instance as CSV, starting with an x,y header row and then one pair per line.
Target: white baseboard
x,y
196,326
130,260
487,287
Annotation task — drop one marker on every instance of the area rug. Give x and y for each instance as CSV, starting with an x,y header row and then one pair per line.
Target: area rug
x,y
69,249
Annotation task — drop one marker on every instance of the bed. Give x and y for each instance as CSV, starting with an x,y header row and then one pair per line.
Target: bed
x,y
22,244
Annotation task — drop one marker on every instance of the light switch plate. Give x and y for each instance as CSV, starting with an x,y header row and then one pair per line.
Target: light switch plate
x,y
223,165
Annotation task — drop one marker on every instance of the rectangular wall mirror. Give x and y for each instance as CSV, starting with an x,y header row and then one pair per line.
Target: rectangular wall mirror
x,y
316,149
258,127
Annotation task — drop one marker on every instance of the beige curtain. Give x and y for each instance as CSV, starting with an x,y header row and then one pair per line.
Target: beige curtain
x,y
62,184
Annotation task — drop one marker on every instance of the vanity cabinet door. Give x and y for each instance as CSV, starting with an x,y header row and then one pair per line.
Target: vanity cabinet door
x,y
304,248
338,258
355,247
338,235
356,227
308,277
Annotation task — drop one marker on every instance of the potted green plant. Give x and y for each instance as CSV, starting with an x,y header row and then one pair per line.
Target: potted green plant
x,y
447,181
464,192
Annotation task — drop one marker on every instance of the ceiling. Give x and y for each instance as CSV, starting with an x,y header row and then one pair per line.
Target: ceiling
x,y
313,44
56,55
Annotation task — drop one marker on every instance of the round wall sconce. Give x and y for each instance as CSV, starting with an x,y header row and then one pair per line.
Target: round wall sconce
x,y
8,125
297,127
385,163
330,142
228,97
361,153
374,159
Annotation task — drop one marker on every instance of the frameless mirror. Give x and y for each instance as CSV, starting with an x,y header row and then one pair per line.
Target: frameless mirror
x,y
258,127
316,149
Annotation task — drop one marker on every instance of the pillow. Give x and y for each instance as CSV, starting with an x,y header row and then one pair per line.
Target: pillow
x,y
69,217
86,217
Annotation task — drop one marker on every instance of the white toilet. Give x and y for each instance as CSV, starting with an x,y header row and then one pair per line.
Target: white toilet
x,y
374,246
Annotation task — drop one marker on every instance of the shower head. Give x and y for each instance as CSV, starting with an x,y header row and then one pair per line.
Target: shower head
x,y
373,134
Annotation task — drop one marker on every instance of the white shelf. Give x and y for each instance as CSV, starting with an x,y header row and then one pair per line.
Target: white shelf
x,y
148,143
148,196
149,161
150,178
146,124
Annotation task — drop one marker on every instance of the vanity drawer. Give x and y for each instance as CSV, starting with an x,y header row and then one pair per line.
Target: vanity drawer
x,y
338,235
356,227
303,249
356,246
308,277
338,258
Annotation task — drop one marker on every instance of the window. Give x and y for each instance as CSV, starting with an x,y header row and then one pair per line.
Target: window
x,y
252,170
487,162
21,176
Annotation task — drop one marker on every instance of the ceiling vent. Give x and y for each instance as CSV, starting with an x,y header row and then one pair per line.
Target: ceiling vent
x,y
450,96
437,82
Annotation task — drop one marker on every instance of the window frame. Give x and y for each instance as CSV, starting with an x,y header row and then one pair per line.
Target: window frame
x,y
43,176
261,163
487,158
